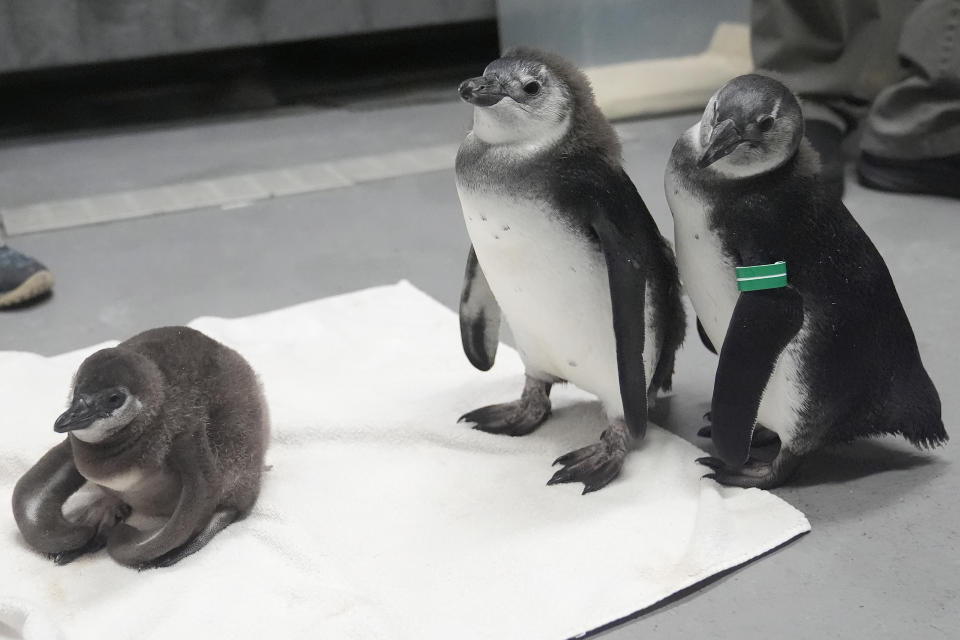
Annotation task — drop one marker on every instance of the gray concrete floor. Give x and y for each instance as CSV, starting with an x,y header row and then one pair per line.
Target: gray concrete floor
x,y
883,559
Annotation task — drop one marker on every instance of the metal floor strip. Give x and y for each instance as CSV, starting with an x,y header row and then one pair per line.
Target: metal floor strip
x,y
226,192
230,192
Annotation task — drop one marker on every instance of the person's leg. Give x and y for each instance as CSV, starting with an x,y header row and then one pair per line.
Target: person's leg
x,y
911,139
830,51
21,277
835,54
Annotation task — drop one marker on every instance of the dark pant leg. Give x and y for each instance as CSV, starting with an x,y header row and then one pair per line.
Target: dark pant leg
x,y
838,53
919,116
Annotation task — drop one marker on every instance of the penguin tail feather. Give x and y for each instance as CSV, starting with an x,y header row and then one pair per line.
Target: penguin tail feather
x,y
918,417
928,436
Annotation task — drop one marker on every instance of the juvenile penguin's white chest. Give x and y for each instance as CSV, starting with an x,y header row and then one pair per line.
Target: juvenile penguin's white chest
x,y
147,492
709,279
707,274
551,284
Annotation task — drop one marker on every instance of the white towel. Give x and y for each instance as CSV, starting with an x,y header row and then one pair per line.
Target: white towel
x,y
382,518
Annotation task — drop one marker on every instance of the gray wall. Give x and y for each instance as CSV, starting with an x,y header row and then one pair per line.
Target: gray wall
x,y
45,33
594,32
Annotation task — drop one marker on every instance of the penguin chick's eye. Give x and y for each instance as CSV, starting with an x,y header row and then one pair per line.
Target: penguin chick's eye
x,y
532,88
765,123
116,399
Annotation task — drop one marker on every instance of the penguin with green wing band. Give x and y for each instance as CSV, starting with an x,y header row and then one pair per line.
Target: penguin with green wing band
x,y
813,341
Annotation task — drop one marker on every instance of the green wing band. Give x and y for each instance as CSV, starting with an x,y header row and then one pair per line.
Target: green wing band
x,y
762,276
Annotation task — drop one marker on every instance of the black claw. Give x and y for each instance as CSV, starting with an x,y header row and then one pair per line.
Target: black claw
x,y
604,476
733,480
705,431
560,476
708,416
470,416
595,466
711,462
752,474
576,456
62,558
504,419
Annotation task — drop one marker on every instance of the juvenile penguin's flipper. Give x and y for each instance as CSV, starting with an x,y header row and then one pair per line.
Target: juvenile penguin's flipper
x,y
762,437
704,338
220,521
627,276
192,461
479,316
38,503
762,324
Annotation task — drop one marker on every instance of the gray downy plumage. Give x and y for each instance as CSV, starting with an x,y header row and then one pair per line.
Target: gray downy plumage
x,y
169,424
564,249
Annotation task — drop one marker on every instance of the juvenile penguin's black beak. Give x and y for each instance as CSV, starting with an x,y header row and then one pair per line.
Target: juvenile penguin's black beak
x,y
481,91
81,414
723,140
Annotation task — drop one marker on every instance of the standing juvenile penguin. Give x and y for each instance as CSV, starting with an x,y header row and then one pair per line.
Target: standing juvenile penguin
x,y
169,424
563,244
824,354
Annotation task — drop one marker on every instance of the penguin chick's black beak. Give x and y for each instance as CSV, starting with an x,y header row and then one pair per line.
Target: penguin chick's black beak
x,y
81,414
481,91
723,139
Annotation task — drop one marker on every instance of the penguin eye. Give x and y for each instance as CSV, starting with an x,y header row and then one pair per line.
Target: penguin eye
x,y
765,123
532,88
116,399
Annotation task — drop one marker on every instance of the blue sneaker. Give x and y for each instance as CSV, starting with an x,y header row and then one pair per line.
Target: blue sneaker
x,y
21,278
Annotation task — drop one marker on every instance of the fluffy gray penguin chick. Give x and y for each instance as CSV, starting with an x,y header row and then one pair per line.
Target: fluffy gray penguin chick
x,y
831,356
564,248
169,424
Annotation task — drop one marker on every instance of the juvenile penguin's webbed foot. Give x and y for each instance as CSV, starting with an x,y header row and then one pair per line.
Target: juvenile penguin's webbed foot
x,y
598,464
66,557
762,437
754,473
517,418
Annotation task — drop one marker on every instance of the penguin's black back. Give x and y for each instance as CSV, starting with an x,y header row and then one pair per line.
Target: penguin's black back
x,y
860,362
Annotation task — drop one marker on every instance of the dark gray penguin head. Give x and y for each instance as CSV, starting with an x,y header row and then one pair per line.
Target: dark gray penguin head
x,y
112,388
524,98
752,125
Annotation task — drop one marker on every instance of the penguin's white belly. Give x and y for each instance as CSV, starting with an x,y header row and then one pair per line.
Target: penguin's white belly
x,y
148,493
709,279
552,287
